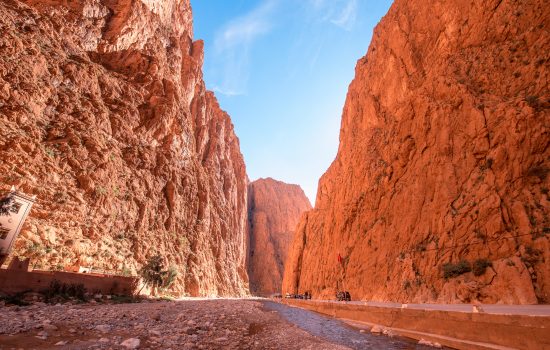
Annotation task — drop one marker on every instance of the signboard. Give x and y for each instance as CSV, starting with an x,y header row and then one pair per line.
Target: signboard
x,y
10,225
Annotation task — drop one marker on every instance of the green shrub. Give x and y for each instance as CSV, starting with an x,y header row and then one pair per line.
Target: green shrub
x,y
15,299
451,270
539,171
421,247
480,266
154,274
487,165
100,191
126,271
58,290
532,256
533,101
50,152
124,299
170,277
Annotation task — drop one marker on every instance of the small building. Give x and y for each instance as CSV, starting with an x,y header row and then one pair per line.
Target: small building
x,y
11,224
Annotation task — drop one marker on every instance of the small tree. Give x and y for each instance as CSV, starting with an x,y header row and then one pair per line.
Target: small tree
x,y
171,276
155,276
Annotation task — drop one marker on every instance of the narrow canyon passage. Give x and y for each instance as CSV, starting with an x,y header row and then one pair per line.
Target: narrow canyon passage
x,y
430,217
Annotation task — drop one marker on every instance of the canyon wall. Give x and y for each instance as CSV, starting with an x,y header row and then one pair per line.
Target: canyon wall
x,y
439,191
274,209
105,117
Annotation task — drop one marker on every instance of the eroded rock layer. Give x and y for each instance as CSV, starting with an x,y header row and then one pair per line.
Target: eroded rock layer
x,y
105,117
439,192
274,209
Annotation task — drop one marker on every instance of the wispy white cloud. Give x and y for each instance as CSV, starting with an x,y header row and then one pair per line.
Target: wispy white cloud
x,y
226,92
318,20
342,13
317,3
232,47
347,17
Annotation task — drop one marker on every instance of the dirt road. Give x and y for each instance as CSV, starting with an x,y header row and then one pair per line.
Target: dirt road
x,y
189,324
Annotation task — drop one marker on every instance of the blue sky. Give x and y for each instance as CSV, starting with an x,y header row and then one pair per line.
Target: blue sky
x,y
281,69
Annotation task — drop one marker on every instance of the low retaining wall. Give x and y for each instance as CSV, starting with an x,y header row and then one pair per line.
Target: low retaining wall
x,y
15,281
513,331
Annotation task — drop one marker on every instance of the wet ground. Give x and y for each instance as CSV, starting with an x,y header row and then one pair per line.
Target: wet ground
x,y
338,332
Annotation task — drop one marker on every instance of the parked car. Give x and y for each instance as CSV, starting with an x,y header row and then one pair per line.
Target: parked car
x,y
305,296
343,296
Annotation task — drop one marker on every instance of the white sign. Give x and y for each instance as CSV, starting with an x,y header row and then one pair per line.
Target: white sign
x,y
10,225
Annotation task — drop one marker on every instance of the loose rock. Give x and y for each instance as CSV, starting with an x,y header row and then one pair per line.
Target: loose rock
x,y
131,343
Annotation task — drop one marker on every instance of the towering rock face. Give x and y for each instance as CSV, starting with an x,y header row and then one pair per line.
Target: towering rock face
x,y
274,209
444,157
105,117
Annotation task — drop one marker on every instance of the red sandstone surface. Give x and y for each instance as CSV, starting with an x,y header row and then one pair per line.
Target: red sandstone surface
x,y
443,157
105,117
274,209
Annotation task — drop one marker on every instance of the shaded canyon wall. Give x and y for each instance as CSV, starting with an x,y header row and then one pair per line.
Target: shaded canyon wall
x,y
439,192
274,209
105,117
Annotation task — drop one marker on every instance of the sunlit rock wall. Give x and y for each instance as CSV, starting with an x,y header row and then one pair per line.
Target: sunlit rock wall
x,y
443,158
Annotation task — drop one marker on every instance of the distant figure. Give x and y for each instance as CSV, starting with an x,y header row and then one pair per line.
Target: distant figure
x,y
343,296
476,308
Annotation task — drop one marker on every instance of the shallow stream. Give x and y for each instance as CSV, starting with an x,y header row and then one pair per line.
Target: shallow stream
x,y
338,332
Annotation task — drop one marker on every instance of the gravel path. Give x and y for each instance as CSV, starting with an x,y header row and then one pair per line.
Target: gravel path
x,y
338,332
189,324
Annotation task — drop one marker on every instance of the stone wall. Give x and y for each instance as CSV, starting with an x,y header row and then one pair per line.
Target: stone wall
x,y
16,281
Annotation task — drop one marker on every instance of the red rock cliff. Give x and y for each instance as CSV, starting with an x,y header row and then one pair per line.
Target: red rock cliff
x,y
274,209
443,158
104,115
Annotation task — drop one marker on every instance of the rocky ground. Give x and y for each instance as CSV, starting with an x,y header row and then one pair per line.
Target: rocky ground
x,y
190,324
